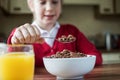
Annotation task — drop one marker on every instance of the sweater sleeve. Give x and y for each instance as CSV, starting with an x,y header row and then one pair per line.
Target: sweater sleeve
x,y
10,36
85,46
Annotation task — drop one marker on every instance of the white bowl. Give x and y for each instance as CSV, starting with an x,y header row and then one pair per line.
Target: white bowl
x,y
69,68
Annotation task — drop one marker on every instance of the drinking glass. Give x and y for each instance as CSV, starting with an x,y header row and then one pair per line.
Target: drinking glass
x,y
16,62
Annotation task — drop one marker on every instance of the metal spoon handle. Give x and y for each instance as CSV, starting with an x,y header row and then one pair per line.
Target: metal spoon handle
x,y
48,37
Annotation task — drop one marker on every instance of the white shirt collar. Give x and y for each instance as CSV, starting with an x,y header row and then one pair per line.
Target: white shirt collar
x,y
42,32
52,33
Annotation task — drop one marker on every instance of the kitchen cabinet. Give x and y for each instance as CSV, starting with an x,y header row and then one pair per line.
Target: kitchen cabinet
x,y
0,3
106,7
111,58
103,6
117,6
15,6
20,6
81,2
4,4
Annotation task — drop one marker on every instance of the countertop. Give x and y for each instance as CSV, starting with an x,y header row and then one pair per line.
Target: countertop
x,y
104,72
109,51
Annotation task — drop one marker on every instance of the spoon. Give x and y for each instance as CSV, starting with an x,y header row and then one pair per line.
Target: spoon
x,y
58,39
48,37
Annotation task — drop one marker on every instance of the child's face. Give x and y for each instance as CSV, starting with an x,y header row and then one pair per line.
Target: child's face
x,y
47,11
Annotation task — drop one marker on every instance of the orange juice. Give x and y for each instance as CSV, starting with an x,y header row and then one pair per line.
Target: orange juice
x,y
16,66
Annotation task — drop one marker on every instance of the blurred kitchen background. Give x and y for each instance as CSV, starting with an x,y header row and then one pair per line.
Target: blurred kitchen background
x,y
99,20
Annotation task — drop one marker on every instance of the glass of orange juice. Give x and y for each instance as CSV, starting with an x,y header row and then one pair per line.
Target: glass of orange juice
x,y
17,62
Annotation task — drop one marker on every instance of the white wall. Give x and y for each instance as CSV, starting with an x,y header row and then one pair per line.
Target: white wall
x,y
83,17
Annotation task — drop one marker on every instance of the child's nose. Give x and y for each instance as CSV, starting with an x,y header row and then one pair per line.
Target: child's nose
x,y
49,6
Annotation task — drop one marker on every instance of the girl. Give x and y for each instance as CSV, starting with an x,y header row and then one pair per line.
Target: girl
x,y
46,14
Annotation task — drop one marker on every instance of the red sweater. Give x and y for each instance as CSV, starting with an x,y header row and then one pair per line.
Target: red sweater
x,y
81,45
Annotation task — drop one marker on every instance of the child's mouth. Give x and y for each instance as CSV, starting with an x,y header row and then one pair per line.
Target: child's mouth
x,y
49,16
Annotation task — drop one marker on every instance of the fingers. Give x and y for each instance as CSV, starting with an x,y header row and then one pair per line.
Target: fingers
x,y
14,40
40,40
37,32
34,32
26,37
25,34
29,33
17,37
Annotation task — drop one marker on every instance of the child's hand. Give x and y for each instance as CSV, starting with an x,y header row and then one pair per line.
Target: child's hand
x,y
26,33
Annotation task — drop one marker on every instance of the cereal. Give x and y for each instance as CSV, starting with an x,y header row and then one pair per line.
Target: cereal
x,y
67,54
69,38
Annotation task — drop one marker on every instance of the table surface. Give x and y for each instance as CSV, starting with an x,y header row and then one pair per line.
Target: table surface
x,y
104,72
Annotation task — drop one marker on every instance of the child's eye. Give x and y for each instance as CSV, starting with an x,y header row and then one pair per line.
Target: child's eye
x,y
55,1
43,2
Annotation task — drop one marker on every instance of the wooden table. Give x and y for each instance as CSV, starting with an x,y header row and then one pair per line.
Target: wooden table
x,y
105,72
